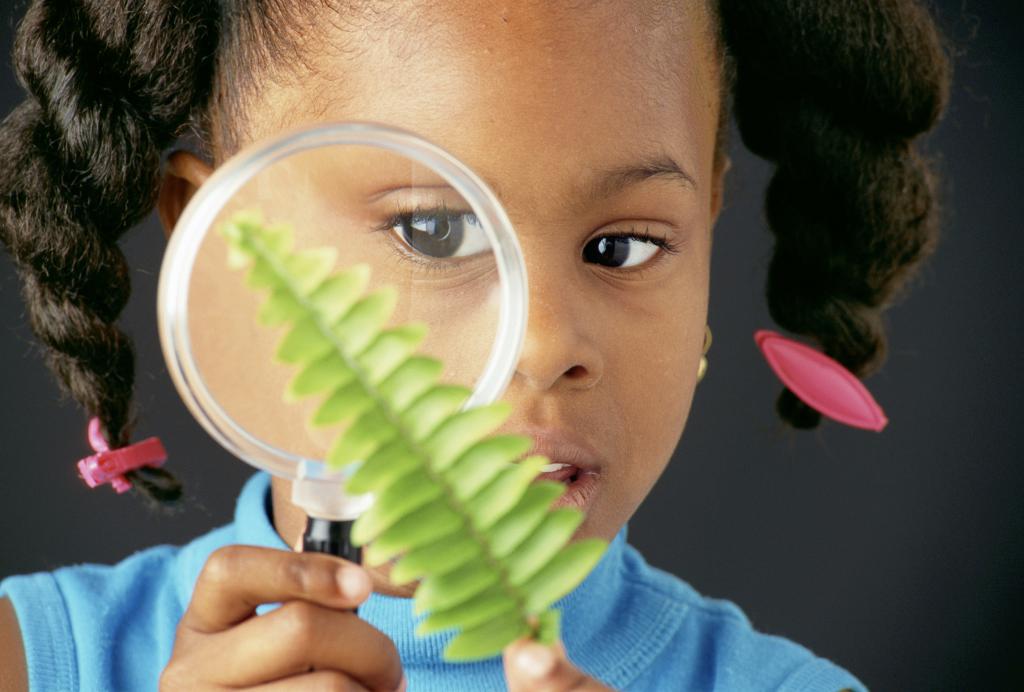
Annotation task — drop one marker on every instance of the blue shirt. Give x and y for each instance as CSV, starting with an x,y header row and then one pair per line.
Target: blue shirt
x,y
628,624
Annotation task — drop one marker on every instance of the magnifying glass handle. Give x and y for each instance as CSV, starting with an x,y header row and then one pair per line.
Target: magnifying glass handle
x,y
331,537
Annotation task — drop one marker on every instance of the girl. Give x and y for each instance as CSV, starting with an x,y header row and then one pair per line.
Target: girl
x,y
601,125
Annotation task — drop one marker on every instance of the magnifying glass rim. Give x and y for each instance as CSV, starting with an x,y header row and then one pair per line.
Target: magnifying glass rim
x,y
198,218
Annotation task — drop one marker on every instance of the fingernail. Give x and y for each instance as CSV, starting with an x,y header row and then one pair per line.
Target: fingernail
x,y
402,686
353,582
535,660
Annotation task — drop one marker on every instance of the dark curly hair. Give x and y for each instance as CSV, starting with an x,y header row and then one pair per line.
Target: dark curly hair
x,y
834,93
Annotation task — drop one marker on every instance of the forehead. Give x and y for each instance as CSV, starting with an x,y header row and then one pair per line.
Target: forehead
x,y
524,90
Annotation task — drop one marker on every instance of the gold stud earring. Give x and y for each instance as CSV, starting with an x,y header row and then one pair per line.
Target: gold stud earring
x,y
702,367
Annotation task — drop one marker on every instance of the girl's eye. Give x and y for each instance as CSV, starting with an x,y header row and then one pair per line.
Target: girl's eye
x,y
440,233
627,250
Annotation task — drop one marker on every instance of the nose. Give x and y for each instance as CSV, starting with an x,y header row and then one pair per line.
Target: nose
x,y
559,349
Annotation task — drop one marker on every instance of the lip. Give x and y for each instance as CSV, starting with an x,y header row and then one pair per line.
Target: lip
x,y
579,493
564,447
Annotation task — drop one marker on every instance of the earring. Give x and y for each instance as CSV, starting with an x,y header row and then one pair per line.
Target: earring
x,y
702,368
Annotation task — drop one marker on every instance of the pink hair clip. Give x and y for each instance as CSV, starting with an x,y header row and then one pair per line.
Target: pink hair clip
x,y
821,382
110,465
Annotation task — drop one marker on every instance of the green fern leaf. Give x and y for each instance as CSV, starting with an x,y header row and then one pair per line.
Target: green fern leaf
x,y
366,435
489,637
463,429
432,408
504,491
305,342
385,466
433,520
478,465
327,373
563,573
281,307
335,296
435,558
408,493
410,380
507,533
484,606
345,403
547,539
456,506
390,349
441,591
309,267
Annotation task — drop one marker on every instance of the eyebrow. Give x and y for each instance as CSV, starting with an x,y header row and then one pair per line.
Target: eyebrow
x,y
604,183
609,181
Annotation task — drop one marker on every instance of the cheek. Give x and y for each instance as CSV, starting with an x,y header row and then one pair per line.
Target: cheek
x,y
651,374
654,376
653,370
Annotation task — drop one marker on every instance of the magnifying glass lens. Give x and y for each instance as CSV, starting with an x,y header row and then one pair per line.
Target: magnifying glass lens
x,y
405,222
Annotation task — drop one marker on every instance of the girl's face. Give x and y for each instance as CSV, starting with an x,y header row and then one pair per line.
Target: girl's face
x,y
588,121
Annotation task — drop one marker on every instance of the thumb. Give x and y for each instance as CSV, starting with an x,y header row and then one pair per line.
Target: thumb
x,y
534,667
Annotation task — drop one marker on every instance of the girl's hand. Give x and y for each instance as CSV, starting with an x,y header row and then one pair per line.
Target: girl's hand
x,y
530,666
310,642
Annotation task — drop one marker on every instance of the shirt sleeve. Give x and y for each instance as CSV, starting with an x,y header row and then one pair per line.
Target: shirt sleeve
x,y
45,631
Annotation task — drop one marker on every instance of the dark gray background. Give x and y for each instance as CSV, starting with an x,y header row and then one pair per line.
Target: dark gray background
x,y
899,555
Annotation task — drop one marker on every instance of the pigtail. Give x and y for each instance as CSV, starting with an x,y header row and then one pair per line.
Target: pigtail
x,y
110,85
835,93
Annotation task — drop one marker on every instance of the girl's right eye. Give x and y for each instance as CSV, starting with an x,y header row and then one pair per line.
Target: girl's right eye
x,y
627,250
439,233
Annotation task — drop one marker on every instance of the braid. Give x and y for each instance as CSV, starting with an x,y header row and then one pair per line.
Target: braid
x,y
834,93
110,85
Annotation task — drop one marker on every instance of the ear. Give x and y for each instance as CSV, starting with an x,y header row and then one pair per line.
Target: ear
x,y
183,175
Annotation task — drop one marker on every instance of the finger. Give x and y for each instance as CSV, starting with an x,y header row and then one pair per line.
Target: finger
x,y
534,667
325,680
294,638
237,578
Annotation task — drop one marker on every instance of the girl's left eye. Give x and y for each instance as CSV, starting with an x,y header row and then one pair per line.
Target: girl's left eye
x,y
439,233
626,250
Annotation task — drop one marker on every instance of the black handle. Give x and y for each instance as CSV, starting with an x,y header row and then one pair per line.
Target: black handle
x,y
331,537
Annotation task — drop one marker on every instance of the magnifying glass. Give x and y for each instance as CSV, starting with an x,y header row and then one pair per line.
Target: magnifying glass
x,y
424,224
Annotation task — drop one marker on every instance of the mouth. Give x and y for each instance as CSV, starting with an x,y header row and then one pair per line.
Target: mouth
x,y
574,463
